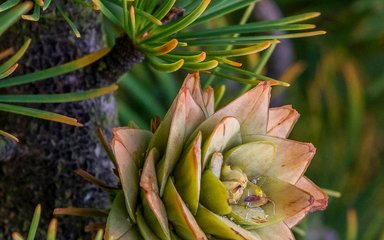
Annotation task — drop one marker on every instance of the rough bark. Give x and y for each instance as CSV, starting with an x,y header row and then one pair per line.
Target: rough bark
x,y
40,168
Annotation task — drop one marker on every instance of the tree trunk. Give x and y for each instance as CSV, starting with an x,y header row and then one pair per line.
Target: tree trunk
x,y
40,168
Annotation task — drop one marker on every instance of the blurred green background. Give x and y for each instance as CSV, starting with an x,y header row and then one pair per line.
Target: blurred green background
x,y
340,96
337,85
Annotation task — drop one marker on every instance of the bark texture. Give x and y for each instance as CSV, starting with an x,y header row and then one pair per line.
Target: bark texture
x,y
40,168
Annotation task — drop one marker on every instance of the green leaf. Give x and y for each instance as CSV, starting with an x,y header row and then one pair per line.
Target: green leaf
x,y
129,145
8,72
291,19
8,18
116,9
157,220
220,91
133,234
99,234
136,90
194,58
148,16
201,66
165,67
254,158
187,175
154,209
261,64
221,227
159,50
52,229
164,9
8,4
179,215
224,41
252,79
58,98
240,51
144,229
68,20
55,71
225,135
139,4
245,28
189,5
31,112
34,223
248,217
8,135
179,122
226,61
110,14
35,16
46,4
118,222
149,6
214,195
171,28
220,9
125,16
132,24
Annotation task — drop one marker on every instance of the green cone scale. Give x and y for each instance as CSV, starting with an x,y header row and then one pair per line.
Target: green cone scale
x,y
229,174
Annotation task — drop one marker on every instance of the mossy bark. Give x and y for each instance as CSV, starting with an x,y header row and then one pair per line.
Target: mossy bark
x,y
40,168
